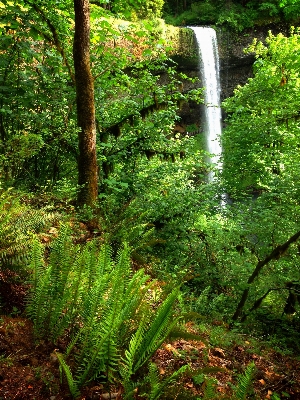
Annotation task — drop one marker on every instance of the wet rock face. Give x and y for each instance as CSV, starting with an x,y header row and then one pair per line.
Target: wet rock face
x,y
235,64
234,74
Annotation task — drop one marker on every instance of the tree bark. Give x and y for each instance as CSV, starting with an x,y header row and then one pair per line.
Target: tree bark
x,y
87,161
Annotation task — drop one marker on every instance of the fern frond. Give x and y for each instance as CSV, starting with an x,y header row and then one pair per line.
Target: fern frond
x,y
144,238
93,301
275,396
149,336
120,278
103,356
208,370
158,330
18,226
134,349
245,381
157,386
35,220
209,390
110,355
62,250
104,306
129,389
91,265
104,262
52,303
71,383
92,362
37,307
64,280
76,339
133,301
36,264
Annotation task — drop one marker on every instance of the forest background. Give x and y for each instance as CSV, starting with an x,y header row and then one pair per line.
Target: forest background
x,y
112,241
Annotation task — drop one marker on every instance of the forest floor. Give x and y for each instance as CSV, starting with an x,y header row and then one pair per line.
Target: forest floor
x,y
29,370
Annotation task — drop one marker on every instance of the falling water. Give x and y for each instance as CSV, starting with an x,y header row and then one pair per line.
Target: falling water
x,y
209,73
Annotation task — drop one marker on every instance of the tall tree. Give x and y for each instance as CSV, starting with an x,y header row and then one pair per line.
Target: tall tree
x,y
87,163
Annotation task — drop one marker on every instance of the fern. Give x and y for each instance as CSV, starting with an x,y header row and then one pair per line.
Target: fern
x,y
97,359
275,396
66,369
133,304
178,332
244,382
127,369
104,308
104,263
158,330
154,379
148,338
209,390
104,353
65,279
37,307
158,386
36,265
51,302
18,226
241,390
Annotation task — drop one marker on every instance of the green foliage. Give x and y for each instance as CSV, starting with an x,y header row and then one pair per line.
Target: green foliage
x,y
149,336
37,130
18,226
134,9
152,192
157,385
135,111
210,389
245,381
233,14
66,369
267,131
114,323
275,396
240,391
290,8
260,146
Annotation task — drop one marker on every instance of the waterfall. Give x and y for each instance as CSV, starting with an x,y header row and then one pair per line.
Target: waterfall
x,y
210,77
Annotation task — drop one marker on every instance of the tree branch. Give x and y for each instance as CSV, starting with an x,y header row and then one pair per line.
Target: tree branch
x,y
55,39
274,255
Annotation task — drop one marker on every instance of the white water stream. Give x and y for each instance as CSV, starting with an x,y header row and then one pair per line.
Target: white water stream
x,y
210,77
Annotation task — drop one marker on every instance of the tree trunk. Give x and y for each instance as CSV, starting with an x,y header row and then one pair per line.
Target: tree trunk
x,y
87,161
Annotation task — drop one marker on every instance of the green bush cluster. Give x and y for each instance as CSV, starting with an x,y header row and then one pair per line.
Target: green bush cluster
x,y
232,14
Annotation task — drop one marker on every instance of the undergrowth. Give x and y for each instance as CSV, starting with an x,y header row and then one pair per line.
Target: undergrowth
x,y
105,311
18,226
